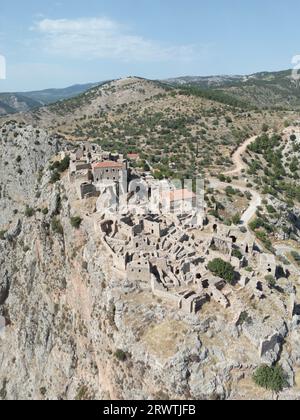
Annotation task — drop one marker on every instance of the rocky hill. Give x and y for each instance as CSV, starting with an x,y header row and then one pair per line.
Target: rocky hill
x,y
175,131
72,332
11,103
262,90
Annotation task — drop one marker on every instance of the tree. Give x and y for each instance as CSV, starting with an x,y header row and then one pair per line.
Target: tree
x,y
256,224
222,269
294,166
61,166
272,378
236,219
55,177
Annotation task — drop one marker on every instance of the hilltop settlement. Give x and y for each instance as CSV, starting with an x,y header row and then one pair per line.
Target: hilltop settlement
x,y
160,238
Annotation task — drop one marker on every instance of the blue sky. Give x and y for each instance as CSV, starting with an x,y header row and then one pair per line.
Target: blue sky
x,y
59,43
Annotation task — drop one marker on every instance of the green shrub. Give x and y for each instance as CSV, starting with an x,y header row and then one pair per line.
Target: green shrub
x,y
262,236
270,280
43,391
256,224
237,253
64,164
2,234
230,191
270,209
245,319
222,269
271,378
236,219
76,222
45,211
55,177
57,226
120,355
29,212
61,166
296,257
83,394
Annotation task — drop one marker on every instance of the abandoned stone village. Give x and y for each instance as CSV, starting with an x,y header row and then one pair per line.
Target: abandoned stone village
x,y
162,238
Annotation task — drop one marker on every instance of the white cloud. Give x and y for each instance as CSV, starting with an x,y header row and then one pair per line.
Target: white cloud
x,y
104,38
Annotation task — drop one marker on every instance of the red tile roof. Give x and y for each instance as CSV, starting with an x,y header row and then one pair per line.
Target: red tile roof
x,y
108,164
133,156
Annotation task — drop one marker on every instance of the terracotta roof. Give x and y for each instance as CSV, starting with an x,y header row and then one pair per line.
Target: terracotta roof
x,y
133,156
108,164
179,195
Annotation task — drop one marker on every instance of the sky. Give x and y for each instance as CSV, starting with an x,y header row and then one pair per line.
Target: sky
x,y
50,44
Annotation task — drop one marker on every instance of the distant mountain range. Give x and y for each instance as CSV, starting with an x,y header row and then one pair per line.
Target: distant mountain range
x,y
275,90
260,90
11,103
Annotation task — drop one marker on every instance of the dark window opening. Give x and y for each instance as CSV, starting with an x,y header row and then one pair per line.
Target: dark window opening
x,y
205,284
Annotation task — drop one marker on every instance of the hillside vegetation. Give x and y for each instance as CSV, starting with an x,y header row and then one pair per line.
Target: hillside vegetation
x,y
265,90
176,131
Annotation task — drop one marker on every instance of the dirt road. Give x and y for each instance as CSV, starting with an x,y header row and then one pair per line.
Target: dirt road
x,y
256,200
237,158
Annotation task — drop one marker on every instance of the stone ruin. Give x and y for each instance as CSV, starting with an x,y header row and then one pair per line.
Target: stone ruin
x,y
166,253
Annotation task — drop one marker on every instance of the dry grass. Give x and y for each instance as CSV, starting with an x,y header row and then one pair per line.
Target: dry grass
x,y
164,339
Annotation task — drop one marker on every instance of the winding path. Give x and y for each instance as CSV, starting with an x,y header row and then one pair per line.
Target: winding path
x,y
239,164
256,200
237,157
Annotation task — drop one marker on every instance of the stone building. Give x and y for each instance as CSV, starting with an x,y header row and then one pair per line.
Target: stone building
x,y
88,189
108,171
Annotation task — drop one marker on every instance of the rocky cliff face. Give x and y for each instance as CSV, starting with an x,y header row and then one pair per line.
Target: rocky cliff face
x,y
24,154
75,330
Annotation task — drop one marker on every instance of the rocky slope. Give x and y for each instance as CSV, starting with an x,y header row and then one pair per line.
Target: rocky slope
x,y
263,90
74,331
14,102
179,134
24,153
11,103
